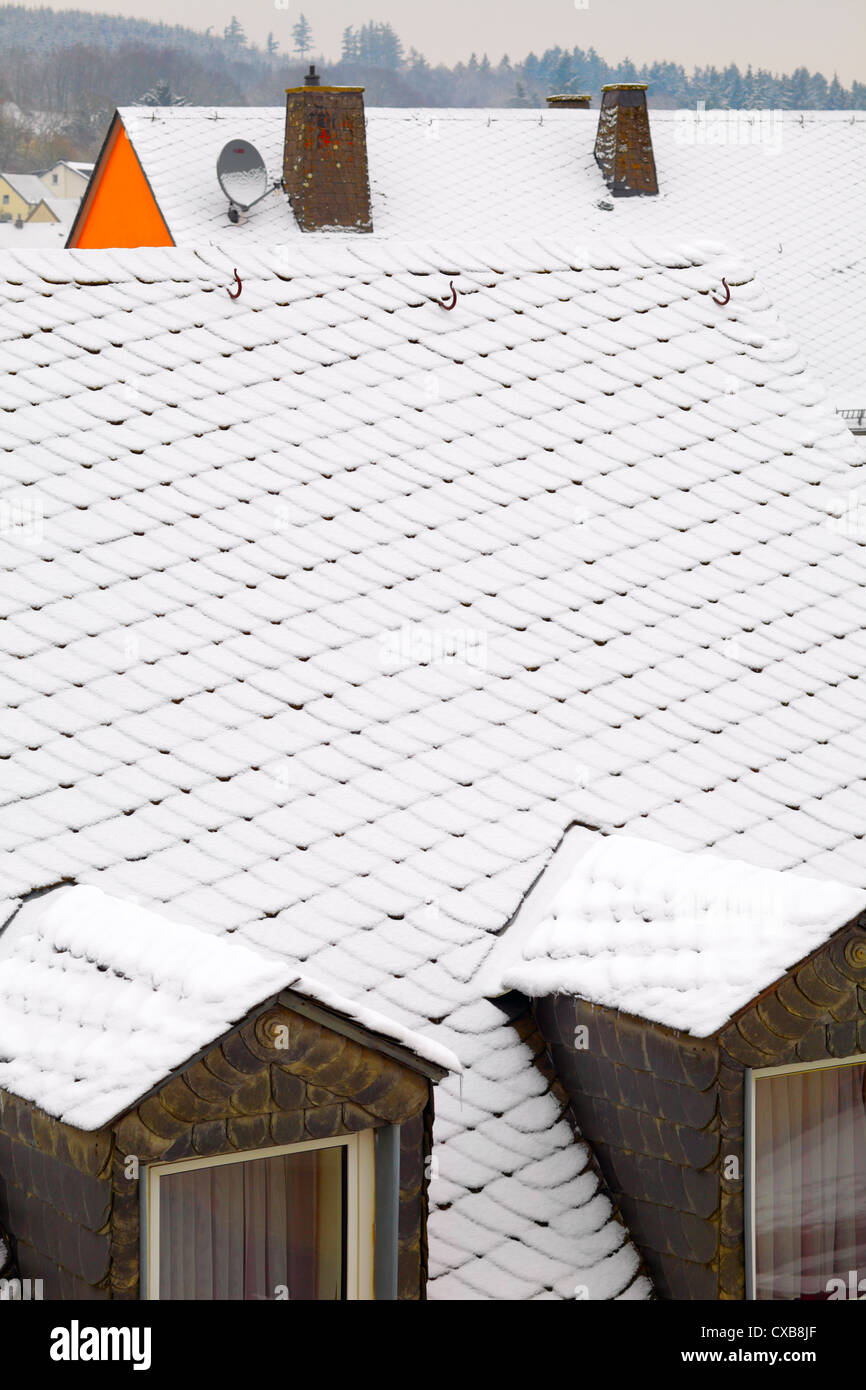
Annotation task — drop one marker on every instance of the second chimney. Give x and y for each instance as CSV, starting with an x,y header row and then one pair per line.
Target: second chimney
x,y
623,144
325,157
570,99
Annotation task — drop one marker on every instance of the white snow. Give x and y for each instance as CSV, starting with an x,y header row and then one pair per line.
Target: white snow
x,y
680,938
761,182
100,999
256,517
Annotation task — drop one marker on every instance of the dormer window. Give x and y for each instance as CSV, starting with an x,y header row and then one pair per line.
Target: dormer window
x,y
807,1181
294,1222
268,1146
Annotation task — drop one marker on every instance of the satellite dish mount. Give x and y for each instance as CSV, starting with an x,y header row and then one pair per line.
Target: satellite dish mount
x,y
242,177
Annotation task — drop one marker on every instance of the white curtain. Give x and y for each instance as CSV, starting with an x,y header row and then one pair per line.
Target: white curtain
x,y
248,1229
810,1181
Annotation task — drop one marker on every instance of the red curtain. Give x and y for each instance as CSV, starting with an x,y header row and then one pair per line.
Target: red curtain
x,y
810,1181
254,1229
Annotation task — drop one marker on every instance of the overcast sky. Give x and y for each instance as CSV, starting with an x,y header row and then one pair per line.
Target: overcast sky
x,y
827,35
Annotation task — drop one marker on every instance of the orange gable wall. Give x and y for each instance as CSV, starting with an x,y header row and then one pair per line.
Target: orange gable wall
x,y
119,208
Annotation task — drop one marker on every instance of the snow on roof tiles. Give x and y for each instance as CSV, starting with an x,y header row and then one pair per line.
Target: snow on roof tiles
x,y
101,999
684,939
28,186
775,185
331,610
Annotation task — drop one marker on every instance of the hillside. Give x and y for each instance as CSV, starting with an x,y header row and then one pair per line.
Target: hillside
x,y
46,30
63,73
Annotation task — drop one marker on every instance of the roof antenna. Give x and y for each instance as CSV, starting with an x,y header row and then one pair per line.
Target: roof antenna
x,y
312,77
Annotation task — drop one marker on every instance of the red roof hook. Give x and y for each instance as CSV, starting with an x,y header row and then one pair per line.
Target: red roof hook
x,y
240,287
722,302
442,303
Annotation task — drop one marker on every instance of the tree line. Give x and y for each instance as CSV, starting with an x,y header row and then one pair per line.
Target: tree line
x,y
63,73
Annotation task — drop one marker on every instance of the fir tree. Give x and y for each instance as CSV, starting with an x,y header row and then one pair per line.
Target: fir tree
x,y
520,98
835,95
349,52
302,36
234,34
749,87
379,46
160,94
732,86
800,88
563,75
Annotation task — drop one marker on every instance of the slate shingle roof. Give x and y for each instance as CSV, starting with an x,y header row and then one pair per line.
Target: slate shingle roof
x,y
777,186
101,999
264,523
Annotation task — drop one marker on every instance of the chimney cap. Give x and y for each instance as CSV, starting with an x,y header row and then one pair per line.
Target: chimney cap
x,y
625,87
569,99
311,79
305,88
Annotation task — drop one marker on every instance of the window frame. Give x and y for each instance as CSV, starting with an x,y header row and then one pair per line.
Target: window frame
x,y
360,1206
752,1075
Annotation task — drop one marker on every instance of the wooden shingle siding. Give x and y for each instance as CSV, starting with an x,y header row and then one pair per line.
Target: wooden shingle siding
x,y
55,1198
532,1036
663,1111
647,1105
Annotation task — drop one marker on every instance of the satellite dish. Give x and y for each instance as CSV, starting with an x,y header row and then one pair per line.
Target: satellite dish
x,y
242,176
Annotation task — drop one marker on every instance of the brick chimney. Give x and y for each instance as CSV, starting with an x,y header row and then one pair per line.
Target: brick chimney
x,y
623,144
325,157
570,99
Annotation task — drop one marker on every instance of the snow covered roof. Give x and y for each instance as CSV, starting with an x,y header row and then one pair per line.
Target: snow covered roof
x,y
64,209
28,186
776,186
31,235
101,999
330,610
76,164
684,939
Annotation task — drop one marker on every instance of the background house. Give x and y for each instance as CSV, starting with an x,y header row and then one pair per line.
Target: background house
x,y
67,179
23,198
